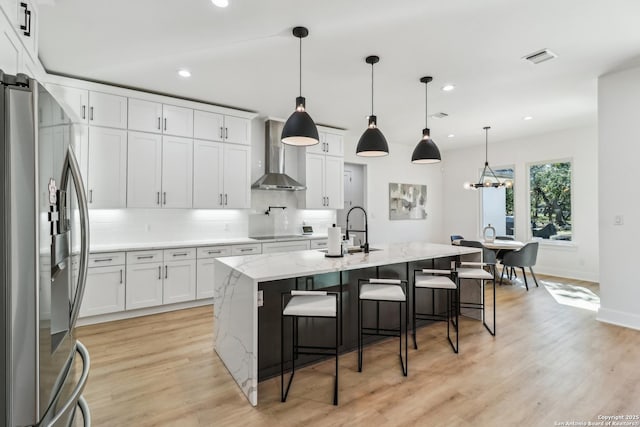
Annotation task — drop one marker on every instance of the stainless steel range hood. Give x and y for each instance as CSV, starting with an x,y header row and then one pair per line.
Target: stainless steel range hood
x,y
275,177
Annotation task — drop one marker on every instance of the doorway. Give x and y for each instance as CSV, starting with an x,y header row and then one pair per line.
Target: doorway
x,y
355,191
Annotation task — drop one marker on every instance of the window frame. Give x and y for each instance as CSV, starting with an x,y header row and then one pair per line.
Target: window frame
x,y
551,242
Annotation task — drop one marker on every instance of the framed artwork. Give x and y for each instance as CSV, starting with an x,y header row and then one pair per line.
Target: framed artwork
x,y
407,201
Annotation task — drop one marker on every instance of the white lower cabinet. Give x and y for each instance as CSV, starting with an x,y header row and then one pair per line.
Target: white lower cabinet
x,y
145,270
206,269
105,290
179,275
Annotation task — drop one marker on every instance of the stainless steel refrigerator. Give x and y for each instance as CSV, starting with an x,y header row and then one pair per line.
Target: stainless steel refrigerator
x,y
44,248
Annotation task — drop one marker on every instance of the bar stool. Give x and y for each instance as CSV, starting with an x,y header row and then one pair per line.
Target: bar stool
x,y
308,304
476,271
384,290
442,280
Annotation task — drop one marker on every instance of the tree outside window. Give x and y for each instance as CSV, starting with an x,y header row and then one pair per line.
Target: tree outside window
x,y
550,200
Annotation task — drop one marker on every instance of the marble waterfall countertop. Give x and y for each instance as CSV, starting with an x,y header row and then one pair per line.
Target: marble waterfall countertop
x,y
264,267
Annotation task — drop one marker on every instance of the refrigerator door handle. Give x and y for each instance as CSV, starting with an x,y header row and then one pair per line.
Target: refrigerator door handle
x,y
86,414
76,395
72,170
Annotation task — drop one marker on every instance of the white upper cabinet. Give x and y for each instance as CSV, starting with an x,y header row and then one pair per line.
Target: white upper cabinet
x,y
237,175
10,49
27,26
107,110
221,175
334,182
74,101
218,127
208,175
144,170
177,172
209,126
330,144
315,172
106,186
322,169
177,121
145,116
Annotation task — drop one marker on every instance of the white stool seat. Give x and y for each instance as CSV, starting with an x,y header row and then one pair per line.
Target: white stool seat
x,y
434,282
382,292
311,305
474,273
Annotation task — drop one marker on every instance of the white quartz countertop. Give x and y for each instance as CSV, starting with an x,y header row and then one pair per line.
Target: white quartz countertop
x,y
122,247
277,266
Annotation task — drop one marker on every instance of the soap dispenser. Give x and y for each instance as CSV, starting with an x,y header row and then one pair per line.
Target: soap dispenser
x,y
489,234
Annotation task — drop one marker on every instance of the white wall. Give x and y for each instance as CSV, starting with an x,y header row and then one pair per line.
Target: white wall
x,y
577,260
397,167
618,154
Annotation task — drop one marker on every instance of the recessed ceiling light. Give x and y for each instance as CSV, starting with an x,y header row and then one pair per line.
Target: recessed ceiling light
x,y
184,73
220,3
448,87
527,118
451,135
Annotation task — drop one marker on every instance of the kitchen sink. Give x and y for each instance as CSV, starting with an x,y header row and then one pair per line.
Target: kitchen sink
x,y
354,250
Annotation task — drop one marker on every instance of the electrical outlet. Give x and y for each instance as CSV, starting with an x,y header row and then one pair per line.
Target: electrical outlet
x,y
618,220
260,298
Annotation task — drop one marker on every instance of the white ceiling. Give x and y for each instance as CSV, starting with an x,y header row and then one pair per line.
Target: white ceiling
x,y
245,56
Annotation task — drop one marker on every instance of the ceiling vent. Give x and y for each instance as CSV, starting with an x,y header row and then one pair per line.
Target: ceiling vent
x,y
540,56
439,115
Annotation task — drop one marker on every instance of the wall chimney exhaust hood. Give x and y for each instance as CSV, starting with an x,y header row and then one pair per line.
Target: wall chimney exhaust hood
x,y
275,177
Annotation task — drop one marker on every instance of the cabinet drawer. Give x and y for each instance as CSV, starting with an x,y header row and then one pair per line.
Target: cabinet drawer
x,y
106,259
179,254
319,243
143,257
214,252
253,248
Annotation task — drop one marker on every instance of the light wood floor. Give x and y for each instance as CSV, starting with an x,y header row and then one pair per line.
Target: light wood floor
x,y
548,363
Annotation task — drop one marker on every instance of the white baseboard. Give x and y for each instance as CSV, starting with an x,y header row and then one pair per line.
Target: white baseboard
x,y
128,314
619,318
569,274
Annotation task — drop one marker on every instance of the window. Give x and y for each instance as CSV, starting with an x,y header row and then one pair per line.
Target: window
x,y
497,204
550,200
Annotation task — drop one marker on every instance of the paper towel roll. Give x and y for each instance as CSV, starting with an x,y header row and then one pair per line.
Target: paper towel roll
x,y
335,241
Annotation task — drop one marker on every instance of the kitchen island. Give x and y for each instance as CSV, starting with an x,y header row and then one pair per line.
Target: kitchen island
x,y
241,282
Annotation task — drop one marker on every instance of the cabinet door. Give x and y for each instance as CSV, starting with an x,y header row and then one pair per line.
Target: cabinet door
x,y
145,116
104,292
317,148
27,27
107,182
334,182
205,278
81,148
237,130
144,285
207,175
177,121
73,100
208,125
107,110
179,281
333,144
177,172
144,170
315,181
237,175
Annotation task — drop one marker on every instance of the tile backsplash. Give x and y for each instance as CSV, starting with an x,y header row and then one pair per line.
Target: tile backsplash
x,y
125,226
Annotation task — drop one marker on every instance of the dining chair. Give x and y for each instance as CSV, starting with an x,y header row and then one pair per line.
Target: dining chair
x,y
512,271
520,258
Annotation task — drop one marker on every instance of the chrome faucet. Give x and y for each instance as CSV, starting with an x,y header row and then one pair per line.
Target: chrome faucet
x,y
365,247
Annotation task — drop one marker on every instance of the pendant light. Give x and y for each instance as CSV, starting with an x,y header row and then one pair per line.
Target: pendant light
x,y
488,178
372,143
300,130
426,151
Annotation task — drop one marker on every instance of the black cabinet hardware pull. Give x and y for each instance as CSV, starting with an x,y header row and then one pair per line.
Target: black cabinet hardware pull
x,y
27,20
103,260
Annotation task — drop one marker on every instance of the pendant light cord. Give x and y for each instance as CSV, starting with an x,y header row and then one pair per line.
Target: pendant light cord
x,y
372,89
486,146
426,111
300,67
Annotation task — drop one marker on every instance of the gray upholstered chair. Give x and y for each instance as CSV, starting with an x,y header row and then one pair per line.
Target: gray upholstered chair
x,y
500,255
524,257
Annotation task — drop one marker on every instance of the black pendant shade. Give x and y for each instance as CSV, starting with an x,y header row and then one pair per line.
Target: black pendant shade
x,y
372,143
426,151
299,129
